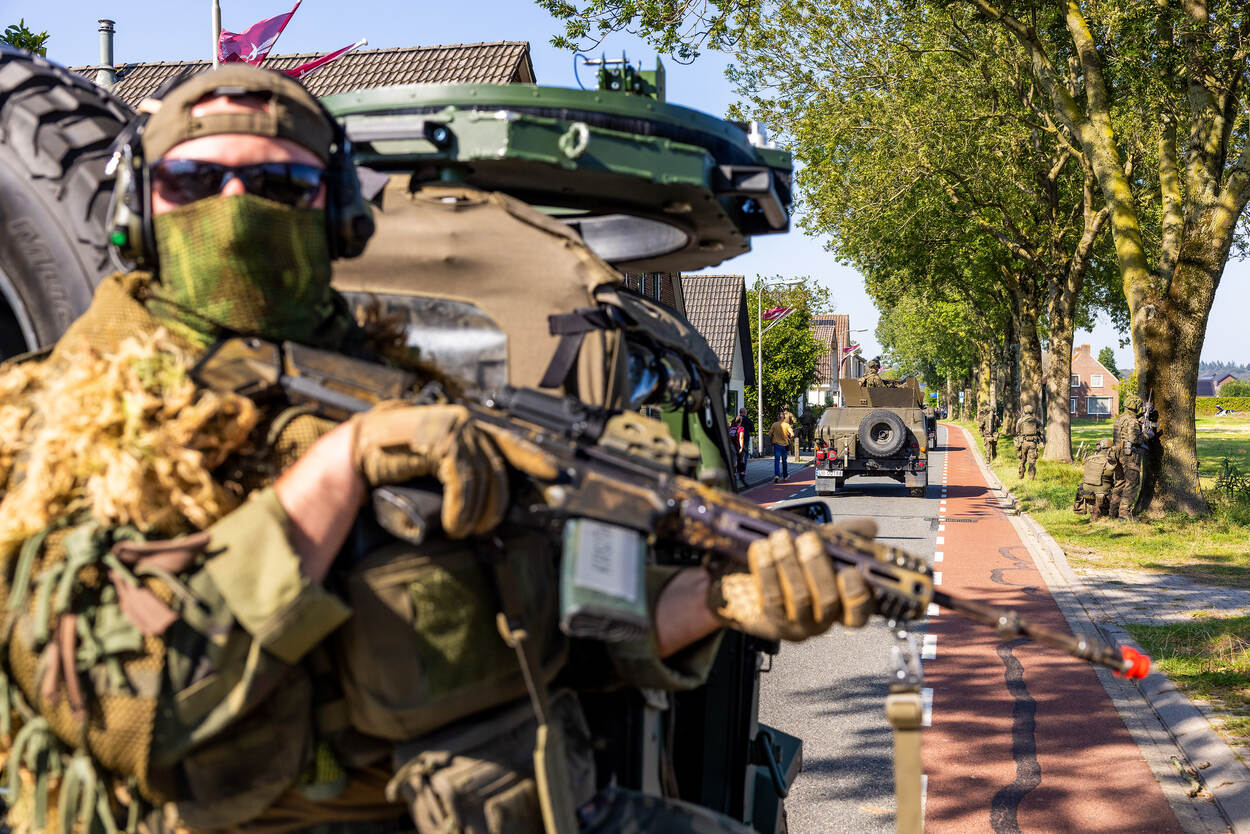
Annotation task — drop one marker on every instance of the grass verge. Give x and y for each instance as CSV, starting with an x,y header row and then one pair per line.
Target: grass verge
x,y
1214,548
1209,660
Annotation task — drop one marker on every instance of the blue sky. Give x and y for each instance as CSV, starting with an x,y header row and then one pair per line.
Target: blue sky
x,y
152,30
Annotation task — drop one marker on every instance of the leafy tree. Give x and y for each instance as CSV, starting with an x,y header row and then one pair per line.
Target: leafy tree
x,y
791,352
1107,357
1235,388
18,35
1155,94
679,27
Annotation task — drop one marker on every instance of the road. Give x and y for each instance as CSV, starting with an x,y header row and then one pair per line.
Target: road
x,y
839,680
1022,738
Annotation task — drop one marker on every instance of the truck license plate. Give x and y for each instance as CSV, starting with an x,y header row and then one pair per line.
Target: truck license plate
x,y
831,473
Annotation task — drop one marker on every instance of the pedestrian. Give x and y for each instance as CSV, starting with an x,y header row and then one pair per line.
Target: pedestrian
x,y
214,603
749,425
781,436
738,443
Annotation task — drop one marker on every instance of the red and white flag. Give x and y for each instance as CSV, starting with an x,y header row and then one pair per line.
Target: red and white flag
x,y
850,348
774,313
304,70
252,45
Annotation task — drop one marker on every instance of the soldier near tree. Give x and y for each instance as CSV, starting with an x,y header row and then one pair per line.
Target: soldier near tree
x,y
987,422
1130,439
1028,441
1101,470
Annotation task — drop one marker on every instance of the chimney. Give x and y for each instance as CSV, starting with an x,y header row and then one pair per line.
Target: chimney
x,y
105,75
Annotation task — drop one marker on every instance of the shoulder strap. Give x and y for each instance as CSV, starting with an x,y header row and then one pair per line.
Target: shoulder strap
x,y
572,329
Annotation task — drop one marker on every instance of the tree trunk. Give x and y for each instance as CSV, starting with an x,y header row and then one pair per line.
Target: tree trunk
x,y
984,382
1173,330
1058,376
1030,355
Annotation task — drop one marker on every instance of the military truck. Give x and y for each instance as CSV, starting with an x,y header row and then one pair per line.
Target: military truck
x,y
877,432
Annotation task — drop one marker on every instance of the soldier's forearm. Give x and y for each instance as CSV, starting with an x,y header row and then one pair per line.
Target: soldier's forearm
x,y
321,493
682,616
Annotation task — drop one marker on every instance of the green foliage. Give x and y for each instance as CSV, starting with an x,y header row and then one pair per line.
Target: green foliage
x,y
680,28
18,35
1206,406
1107,357
791,352
1127,386
1232,484
1208,658
1235,388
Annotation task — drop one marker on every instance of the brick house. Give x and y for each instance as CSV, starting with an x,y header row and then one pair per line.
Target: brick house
x,y
717,307
834,334
1219,382
1093,388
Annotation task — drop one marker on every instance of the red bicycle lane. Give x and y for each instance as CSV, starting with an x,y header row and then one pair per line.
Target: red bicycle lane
x,y
1022,738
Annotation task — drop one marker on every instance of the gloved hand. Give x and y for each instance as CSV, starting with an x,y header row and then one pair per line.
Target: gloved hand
x,y
394,443
791,591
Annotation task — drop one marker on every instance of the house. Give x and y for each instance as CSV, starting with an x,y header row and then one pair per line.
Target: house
x,y
1219,383
500,62
1093,387
716,305
834,334
1206,386
664,287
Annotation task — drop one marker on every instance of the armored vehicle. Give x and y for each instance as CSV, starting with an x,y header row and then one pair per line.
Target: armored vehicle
x,y
879,432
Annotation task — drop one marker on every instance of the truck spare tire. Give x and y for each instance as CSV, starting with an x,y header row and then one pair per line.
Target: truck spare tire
x,y
56,129
881,433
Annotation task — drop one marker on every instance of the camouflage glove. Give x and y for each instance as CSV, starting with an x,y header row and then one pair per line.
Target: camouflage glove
x,y
792,592
395,443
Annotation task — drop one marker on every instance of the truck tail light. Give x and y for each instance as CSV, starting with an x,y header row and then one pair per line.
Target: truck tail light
x,y
920,464
820,454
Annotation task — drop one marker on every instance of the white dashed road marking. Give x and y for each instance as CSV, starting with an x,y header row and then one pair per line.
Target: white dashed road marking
x,y
926,698
938,556
937,577
933,610
928,651
940,540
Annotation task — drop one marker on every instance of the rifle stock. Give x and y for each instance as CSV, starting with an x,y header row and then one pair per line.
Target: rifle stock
x,y
620,469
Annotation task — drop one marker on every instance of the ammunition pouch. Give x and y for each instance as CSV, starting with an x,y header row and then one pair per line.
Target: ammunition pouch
x,y
477,777
423,650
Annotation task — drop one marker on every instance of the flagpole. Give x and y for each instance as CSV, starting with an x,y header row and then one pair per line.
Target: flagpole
x,y
216,33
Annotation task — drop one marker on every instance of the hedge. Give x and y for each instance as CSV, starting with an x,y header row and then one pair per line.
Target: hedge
x,y
1208,405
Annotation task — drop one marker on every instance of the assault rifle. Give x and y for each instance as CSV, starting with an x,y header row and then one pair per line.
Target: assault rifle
x,y
616,468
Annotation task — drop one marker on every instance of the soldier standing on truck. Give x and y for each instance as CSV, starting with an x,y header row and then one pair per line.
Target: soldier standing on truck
x,y
1100,472
987,421
1028,440
873,378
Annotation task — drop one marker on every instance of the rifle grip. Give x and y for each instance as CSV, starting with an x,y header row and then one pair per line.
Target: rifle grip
x,y
409,512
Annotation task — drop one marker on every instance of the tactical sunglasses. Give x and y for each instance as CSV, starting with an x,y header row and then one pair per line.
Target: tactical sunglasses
x,y
187,180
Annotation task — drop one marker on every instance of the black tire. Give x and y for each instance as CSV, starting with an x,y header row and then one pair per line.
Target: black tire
x,y
55,133
882,433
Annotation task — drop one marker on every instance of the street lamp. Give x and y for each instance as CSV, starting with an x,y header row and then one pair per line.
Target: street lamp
x,y
759,354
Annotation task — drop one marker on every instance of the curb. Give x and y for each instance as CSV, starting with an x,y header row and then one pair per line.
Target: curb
x,y
1160,718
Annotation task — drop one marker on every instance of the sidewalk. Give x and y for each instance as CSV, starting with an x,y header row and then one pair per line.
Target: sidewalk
x,y
1171,731
760,470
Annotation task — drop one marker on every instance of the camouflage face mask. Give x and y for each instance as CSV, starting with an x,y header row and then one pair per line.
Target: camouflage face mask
x,y
244,264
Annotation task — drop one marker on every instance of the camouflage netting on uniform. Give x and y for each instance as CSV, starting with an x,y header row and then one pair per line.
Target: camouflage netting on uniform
x,y
95,445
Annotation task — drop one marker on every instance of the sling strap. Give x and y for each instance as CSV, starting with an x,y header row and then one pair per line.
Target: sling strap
x,y
572,329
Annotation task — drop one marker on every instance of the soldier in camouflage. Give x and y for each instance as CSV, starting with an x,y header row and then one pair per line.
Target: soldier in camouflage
x,y
873,378
1098,478
987,422
228,645
1028,439
1130,442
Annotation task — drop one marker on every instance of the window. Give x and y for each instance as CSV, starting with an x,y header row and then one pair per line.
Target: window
x,y
1095,380
1076,380
1071,405
1098,406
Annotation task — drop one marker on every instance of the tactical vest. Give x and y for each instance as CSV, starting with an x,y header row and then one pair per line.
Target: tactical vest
x,y
1028,427
1094,475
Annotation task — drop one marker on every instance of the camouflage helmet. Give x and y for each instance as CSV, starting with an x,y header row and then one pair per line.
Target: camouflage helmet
x,y
1028,408
874,365
1132,402
1104,444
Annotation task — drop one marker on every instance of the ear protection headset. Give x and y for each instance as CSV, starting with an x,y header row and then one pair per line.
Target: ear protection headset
x,y
349,220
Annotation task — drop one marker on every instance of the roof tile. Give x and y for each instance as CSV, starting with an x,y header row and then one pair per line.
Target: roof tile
x,y
712,306
501,62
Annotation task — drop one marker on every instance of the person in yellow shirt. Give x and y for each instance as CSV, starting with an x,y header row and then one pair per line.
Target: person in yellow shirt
x,y
782,436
